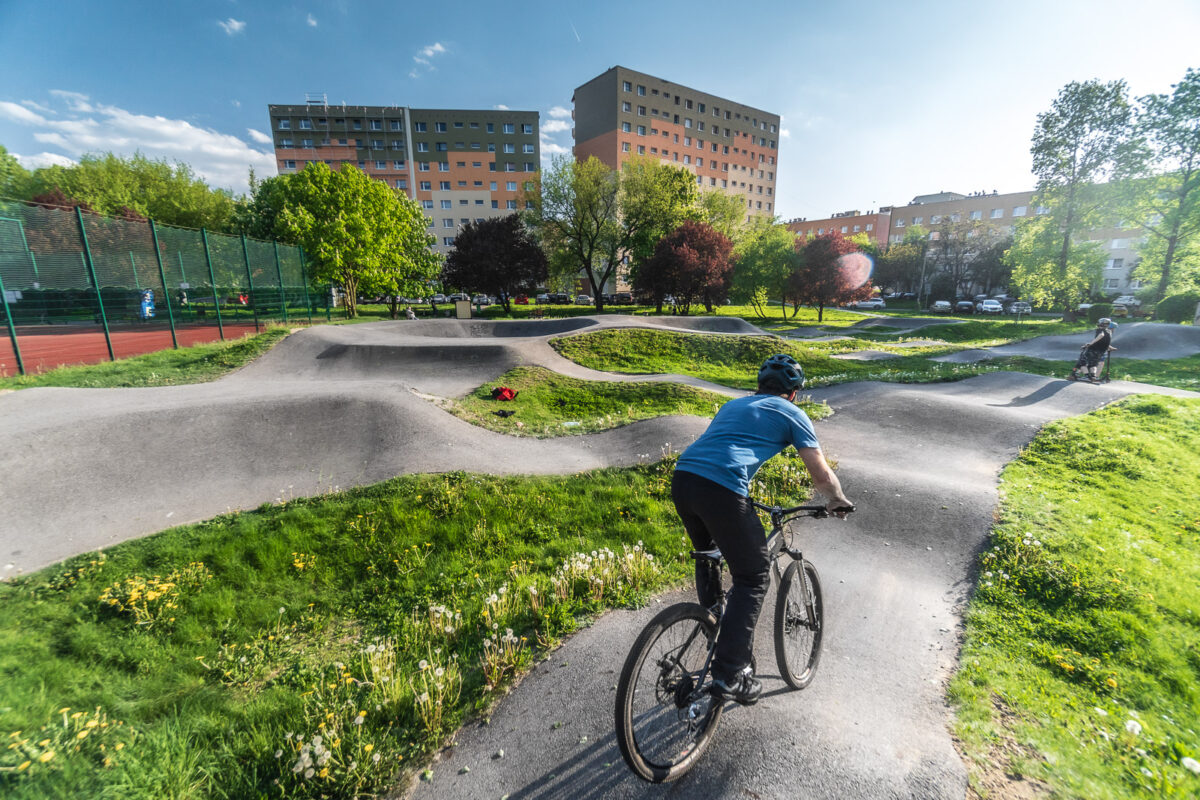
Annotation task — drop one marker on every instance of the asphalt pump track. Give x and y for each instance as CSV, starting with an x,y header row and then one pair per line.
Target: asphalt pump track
x,y
339,406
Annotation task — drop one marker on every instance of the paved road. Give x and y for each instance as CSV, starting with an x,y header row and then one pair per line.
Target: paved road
x,y
922,463
1141,340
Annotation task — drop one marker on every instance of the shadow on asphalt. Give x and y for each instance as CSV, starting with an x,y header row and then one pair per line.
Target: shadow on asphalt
x,y
1047,391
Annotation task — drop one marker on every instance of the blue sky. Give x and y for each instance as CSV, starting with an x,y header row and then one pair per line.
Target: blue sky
x,y
880,101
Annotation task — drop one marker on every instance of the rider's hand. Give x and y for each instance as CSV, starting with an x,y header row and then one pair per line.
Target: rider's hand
x,y
840,502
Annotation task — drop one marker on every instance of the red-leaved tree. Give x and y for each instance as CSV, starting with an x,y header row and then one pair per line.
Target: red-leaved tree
x,y
694,263
823,277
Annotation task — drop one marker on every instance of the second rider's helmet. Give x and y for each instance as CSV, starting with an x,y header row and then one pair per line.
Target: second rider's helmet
x,y
1104,322
780,374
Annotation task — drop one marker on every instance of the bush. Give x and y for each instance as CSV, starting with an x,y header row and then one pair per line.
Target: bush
x,y
1178,307
1099,310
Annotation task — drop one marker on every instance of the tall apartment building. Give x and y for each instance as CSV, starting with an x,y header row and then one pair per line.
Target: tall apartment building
x,y
849,223
726,145
460,165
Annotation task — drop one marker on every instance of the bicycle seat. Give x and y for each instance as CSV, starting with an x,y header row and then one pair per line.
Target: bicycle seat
x,y
713,555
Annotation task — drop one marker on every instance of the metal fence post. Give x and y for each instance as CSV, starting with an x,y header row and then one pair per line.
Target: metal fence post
x,y
279,272
213,280
250,279
87,259
163,275
304,283
12,330
136,283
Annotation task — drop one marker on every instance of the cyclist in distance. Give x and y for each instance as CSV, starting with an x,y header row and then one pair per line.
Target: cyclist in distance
x,y
711,491
1094,352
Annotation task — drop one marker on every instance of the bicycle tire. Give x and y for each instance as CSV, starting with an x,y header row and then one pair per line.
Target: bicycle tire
x,y
798,638
659,737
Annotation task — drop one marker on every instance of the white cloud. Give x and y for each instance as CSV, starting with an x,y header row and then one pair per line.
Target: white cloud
x,y
258,136
236,103
18,113
36,106
423,59
312,21
500,107
558,112
221,159
43,160
556,126
75,100
550,148
233,26
784,133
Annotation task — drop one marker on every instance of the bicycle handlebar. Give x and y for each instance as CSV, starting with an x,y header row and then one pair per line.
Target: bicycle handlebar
x,y
812,511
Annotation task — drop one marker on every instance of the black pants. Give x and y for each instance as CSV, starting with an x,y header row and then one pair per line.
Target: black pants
x,y
716,517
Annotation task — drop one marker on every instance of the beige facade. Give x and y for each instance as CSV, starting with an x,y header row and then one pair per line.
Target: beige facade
x,y
874,224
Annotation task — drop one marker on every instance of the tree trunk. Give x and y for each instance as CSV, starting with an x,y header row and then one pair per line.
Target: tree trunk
x,y
1165,279
820,312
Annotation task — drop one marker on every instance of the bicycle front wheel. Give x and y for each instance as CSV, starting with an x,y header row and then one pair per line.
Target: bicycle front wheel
x,y
799,620
664,720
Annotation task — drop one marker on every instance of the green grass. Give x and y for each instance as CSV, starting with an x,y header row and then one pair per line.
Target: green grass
x,y
195,364
1085,625
550,404
323,617
1177,373
734,360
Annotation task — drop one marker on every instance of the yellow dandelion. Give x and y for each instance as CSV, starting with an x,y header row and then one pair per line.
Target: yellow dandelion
x,y
1111,682
64,709
82,734
368,748
323,772
46,756
43,742
24,766
119,746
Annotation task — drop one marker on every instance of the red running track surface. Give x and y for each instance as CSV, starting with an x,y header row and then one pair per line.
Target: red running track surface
x,y
45,347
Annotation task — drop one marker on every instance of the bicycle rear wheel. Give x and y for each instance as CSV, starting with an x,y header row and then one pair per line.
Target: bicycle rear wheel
x,y
664,723
797,631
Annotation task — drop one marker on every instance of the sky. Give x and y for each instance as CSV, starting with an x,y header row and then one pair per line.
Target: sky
x,y
880,101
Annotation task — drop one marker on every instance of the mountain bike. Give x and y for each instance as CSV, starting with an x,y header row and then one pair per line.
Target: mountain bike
x,y
666,714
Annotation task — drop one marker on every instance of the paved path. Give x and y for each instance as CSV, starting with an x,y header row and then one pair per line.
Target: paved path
x,y
1141,340
339,406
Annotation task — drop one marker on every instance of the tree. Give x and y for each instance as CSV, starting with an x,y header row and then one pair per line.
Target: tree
x,y
1081,141
990,270
1034,256
257,216
822,279
766,258
1167,201
497,255
899,266
14,178
110,184
574,212
724,212
693,262
357,232
653,200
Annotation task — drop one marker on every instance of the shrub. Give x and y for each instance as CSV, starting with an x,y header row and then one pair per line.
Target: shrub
x,y
1099,310
1178,307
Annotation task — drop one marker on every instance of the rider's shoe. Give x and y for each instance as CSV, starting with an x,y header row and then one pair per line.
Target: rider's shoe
x,y
743,689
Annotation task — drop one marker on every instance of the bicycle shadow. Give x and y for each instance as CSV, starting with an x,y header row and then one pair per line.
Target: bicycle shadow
x,y
1045,392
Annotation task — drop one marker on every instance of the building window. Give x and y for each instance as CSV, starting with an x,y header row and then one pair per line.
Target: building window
x,y
441,147
428,206
527,147
527,128
870,226
306,143
492,186
426,186
397,144
1119,244
843,229
510,186
641,90
1019,211
445,185
422,147
285,142
376,125
285,124
448,241
443,166
976,215
439,127
446,204
997,213
495,204
509,147
935,219
447,222
641,150
626,106
641,129
419,127
289,164
627,86
857,228
402,184
380,164
687,122
1115,263
397,125
511,204
508,127
624,147
641,111
510,166
306,124
626,127
491,127
377,144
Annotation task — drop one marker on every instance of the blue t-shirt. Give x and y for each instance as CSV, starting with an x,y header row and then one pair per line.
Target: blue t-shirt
x,y
746,433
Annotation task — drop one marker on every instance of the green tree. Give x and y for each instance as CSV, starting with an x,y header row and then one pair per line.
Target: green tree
x,y
1036,272
574,210
654,199
1080,142
724,212
357,232
258,215
110,184
766,259
1167,201
693,263
899,266
822,279
14,178
497,255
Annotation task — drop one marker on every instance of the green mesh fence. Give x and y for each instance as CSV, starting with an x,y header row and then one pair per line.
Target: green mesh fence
x,y
106,275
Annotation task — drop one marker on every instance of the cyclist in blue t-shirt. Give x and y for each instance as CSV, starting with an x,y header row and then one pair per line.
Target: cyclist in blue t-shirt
x,y
711,490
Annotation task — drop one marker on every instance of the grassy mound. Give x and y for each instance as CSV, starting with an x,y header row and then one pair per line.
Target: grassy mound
x,y
550,404
1081,665
318,648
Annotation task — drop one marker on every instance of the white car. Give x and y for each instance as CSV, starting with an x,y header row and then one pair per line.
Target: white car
x,y
584,300
990,307
874,304
1020,307
941,307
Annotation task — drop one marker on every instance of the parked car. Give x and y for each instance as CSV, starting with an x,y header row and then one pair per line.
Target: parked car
x,y
481,300
438,298
560,298
1127,300
542,298
874,304
990,307
941,307
1020,307
964,307
623,299
583,300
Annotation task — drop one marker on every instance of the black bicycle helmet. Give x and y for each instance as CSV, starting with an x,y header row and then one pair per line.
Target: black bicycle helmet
x,y
780,374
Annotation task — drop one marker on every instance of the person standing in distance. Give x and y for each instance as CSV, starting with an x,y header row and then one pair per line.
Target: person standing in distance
x,y
1092,353
711,491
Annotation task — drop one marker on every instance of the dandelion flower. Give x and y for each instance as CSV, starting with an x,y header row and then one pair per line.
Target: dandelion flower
x,y
1189,763
308,773
24,766
46,756
439,672
375,758
368,748
423,664
358,720
1133,726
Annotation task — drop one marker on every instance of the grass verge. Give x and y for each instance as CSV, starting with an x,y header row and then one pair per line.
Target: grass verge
x,y
734,360
549,404
1081,663
320,647
195,364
